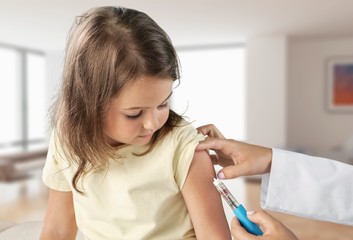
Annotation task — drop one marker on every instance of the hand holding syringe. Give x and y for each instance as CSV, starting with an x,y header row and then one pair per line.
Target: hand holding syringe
x,y
237,208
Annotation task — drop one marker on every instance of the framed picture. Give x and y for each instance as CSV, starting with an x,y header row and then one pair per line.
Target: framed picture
x,y
340,84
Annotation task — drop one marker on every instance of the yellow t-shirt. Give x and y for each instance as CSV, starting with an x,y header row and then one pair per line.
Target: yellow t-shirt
x,y
138,197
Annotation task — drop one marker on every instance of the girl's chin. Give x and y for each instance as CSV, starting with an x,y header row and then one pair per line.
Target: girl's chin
x,y
139,141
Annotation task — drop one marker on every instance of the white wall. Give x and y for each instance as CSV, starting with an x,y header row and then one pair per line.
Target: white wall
x,y
266,90
310,126
286,101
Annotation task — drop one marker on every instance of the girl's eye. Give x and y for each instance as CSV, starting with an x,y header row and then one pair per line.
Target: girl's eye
x,y
165,105
160,107
134,116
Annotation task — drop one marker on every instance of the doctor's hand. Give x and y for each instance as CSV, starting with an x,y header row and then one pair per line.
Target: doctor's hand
x,y
271,227
236,158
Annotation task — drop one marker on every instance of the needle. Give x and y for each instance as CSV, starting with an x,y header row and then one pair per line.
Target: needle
x,y
225,193
237,208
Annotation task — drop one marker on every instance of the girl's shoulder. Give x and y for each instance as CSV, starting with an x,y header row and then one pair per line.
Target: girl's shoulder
x,y
185,132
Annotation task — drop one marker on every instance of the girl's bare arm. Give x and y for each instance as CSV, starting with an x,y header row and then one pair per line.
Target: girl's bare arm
x,y
59,222
203,200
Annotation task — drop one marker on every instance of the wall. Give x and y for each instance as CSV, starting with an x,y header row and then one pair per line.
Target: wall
x,y
310,126
266,90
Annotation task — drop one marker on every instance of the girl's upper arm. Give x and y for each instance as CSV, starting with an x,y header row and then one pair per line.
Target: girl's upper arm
x,y
203,200
59,222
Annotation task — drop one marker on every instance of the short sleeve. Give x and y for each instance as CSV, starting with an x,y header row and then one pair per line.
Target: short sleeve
x,y
186,139
53,174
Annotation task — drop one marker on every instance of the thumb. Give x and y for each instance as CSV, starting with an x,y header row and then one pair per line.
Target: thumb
x,y
234,171
204,145
211,143
261,218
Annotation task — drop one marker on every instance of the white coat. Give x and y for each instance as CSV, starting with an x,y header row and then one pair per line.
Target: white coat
x,y
309,187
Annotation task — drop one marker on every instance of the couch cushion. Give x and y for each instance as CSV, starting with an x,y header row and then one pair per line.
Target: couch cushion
x,y
26,230
5,225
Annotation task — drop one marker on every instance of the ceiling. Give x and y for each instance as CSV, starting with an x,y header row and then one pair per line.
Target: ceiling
x,y
44,24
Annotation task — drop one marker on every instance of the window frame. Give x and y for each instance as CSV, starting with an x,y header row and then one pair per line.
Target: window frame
x,y
24,142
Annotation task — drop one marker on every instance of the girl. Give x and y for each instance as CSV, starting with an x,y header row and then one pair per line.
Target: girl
x,y
121,164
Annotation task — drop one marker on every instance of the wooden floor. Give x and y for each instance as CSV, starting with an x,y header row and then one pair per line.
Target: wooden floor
x,y
24,200
27,201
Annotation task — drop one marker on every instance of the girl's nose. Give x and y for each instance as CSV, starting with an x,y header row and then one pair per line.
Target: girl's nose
x,y
151,121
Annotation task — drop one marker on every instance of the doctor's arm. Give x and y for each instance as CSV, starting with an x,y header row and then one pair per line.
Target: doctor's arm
x,y
324,186
290,175
203,200
59,222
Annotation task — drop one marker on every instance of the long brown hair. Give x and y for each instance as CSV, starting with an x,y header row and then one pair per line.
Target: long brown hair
x,y
107,48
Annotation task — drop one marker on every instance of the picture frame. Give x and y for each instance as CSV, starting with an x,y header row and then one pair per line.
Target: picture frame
x,y
340,84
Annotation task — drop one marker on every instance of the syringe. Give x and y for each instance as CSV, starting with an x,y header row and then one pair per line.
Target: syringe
x,y
237,208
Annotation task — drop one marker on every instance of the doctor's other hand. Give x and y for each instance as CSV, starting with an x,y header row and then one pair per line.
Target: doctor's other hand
x,y
236,158
271,227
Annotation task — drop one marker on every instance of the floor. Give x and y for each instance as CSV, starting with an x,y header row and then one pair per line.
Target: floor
x,y
27,201
24,200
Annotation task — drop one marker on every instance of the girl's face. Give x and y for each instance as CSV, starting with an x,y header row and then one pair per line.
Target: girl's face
x,y
139,111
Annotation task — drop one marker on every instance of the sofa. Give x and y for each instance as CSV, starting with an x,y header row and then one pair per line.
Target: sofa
x,y
23,231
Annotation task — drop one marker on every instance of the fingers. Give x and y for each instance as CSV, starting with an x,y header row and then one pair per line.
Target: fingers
x,y
271,227
235,171
210,143
222,148
263,219
238,232
211,131
206,144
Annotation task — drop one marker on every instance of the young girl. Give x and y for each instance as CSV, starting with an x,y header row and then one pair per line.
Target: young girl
x,y
121,164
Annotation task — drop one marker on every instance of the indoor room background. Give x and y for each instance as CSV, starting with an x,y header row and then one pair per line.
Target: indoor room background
x,y
259,71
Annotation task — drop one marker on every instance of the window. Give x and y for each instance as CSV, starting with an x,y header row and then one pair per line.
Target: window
x,y
36,99
212,88
22,100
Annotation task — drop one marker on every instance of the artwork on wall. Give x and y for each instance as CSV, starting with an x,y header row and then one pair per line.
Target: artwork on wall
x,y
340,84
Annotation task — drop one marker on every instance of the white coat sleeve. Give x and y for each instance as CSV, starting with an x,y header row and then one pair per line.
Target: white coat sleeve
x,y
309,187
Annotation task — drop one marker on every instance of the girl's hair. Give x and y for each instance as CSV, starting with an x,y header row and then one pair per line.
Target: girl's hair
x,y
107,48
